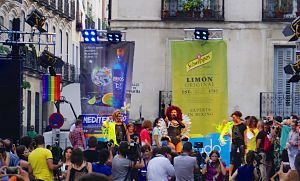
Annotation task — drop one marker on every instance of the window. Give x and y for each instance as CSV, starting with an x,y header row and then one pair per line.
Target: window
x,y
2,22
28,109
54,40
67,41
22,27
37,112
280,10
73,54
61,42
77,57
287,94
47,38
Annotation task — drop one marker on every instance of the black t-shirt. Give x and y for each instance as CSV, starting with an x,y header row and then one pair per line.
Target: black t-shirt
x,y
120,133
261,135
91,155
238,134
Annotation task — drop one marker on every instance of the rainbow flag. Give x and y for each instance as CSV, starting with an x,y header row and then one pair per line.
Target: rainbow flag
x,y
51,87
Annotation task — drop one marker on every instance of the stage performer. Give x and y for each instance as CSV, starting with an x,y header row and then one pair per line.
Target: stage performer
x,y
115,129
175,126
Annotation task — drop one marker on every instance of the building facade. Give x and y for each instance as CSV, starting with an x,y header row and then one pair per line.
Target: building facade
x,y
257,51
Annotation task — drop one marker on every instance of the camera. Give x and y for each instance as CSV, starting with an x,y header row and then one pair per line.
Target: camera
x,y
110,143
11,170
257,158
134,151
198,145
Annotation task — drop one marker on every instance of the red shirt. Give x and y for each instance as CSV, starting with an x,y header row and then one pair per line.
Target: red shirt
x,y
145,136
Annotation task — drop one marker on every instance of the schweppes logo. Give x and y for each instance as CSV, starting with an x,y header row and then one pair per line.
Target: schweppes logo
x,y
200,60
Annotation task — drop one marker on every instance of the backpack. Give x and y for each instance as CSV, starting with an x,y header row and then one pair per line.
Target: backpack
x,y
267,144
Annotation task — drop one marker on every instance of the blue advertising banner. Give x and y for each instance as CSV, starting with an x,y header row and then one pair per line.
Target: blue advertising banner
x,y
105,79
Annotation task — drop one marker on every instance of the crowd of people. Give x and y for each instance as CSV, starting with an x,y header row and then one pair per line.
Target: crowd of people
x,y
265,149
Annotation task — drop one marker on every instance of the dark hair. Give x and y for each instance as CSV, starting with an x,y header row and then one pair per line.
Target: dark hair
x,y
26,141
144,148
214,151
77,156
164,150
147,124
294,117
93,176
20,152
253,121
237,113
123,148
78,122
103,156
64,154
155,151
8,144
247,117
39,140
80,117
278,119
250,157
92,142
187,146
156,122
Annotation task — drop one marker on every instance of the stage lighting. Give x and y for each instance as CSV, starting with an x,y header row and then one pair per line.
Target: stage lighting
x,y
114,36
293,29
36,19
201,33
49,60
89,36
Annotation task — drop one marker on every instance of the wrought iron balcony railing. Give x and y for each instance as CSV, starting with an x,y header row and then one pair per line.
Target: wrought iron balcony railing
x,y
59,7
280,10
20,1
195,10
66,72
52,5
279,103
44,2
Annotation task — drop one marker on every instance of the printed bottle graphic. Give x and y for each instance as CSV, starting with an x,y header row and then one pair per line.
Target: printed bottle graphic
x,y
119,69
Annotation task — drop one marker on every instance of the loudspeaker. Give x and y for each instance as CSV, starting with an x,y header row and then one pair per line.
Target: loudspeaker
x,y
11,92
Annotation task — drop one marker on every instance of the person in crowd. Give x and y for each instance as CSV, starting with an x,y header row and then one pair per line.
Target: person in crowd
x,y
79,167
93,177
175,125
13,158
156,134
251,134
246,172
73,126
160,167
31,132
77,137
103,166
214,169
3,158
132,134
147,155
145,133
23,154
115,129
260,141
66,160
247,120
290,175
292,143
185,165
297,163
91,154
41,161
121,166
21,176
239,135
27,142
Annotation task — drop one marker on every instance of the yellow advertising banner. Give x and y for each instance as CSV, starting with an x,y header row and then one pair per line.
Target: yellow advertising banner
x,y
199,84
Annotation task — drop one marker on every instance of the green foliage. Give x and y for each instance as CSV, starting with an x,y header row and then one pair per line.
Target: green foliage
x,y
191,5
4,50
26,85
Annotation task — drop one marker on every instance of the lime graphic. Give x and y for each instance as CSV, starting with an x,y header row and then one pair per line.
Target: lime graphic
x,y
92,101
107,99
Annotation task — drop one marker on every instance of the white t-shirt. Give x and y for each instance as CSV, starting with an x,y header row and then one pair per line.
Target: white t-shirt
x,y
160,168
72,127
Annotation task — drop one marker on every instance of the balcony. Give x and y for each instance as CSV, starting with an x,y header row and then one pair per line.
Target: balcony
x,y
66,9
31,64
280,10
52,5
59,7
193,10
44,2
20,1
